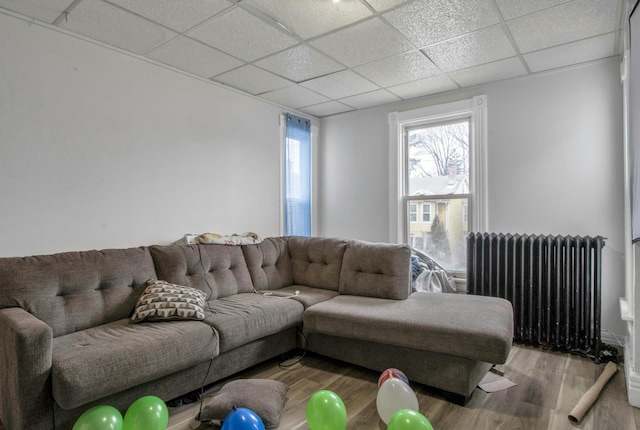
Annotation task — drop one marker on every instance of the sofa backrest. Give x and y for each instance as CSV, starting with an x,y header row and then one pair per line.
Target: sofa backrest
x,y
376,270
217,270
269,263
76,290
316,261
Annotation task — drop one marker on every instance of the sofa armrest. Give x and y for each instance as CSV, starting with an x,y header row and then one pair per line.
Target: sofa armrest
x,y
25,367
380,270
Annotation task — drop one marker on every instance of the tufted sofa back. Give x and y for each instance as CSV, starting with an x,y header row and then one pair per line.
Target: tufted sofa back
x,y
76,290
217,270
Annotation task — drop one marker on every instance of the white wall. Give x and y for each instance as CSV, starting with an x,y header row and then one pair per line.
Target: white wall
x,y
100,149
555,163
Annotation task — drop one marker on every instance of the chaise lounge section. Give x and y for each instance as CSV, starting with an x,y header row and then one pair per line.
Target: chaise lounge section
x,y
69,344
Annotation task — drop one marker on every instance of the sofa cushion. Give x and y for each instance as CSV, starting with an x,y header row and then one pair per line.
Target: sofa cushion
x,y
269,263
475,327
162,301
218,270
376,270
243,318
90,364
75,290
308,296
316,261
265,397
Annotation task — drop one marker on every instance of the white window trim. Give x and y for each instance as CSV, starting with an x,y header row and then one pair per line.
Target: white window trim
x,y
314,175
476,110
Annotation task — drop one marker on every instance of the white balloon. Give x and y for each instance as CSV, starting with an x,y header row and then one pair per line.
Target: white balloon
x,y
393,395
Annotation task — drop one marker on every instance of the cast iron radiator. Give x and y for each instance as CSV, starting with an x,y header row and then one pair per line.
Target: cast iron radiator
x,y
553,283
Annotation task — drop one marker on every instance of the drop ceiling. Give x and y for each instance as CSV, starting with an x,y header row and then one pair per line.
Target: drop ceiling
x,y
324,57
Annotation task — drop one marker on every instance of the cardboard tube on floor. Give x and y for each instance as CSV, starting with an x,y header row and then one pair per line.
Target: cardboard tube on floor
x,y
592,393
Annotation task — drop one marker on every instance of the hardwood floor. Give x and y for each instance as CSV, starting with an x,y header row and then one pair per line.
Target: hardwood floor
x,y
549,386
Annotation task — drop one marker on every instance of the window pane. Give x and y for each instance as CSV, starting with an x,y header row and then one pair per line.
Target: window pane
x,y
444,237
439,159
297,177
413,212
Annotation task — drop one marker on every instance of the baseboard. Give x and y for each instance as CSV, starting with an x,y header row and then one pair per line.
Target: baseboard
x,y
632,380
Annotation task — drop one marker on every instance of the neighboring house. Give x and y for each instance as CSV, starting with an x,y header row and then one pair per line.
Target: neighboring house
x,y
451,213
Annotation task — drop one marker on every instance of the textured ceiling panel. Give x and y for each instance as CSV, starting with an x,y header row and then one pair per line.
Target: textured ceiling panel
x,y
568,22
42,10
572,53
382,5
242,34
253,80
300,63
514,8
328,108
309,18
362,43
398,69
194,57
341,84
423,87
498,70
295,97
428,22
373,98
178,15
483,46
110,24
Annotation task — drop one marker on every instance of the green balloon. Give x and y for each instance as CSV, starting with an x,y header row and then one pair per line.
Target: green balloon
x,y
408,419
146,413
326,411
99,418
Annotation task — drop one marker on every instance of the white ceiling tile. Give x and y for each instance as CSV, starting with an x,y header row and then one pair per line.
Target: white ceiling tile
x,y
432,21
572,53
179,16
253,80
310,18
514,8
42,10
294,96
325,109
194,57
382,5
398,69
482,46
340,84
502,69
423,87
300,63
243,35
373,98
110,24
562,24
364,42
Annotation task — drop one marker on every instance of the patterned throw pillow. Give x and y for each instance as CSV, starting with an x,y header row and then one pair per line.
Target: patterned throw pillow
x,y
162,301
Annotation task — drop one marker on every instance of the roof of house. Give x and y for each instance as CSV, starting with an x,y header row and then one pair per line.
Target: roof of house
x,y
437,185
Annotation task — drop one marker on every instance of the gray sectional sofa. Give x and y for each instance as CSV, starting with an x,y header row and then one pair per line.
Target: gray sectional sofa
x,y
68,344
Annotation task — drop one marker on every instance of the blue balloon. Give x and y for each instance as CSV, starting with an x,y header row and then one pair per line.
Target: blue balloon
x,y
242,419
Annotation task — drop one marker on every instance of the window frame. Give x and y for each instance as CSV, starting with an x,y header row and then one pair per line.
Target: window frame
x,y
314,174
475,109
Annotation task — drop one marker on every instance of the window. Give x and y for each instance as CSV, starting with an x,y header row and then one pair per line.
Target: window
x,y
437,162
413,212
426,212
297,195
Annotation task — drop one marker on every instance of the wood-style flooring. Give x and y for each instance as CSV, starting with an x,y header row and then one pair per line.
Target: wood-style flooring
x,y
549,386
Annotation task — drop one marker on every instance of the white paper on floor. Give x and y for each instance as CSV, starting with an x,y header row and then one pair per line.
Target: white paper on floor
x,y
492,383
